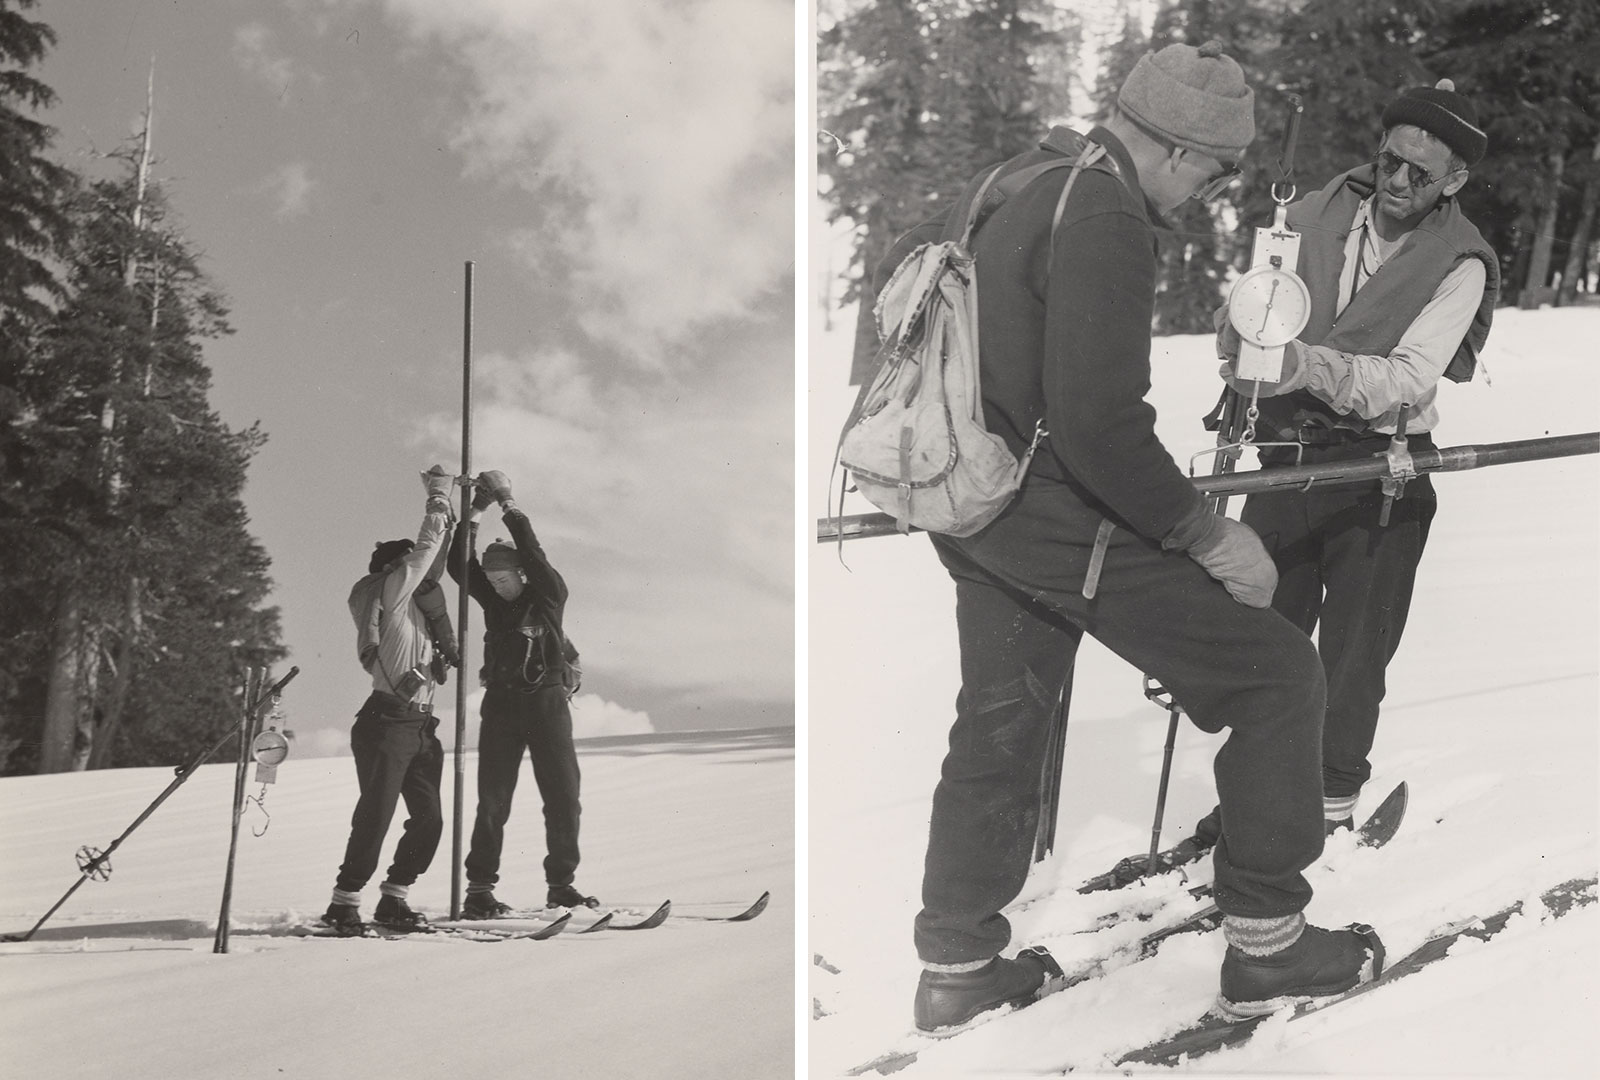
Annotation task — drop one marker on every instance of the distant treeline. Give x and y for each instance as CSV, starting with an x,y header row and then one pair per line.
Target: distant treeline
x,y
915,96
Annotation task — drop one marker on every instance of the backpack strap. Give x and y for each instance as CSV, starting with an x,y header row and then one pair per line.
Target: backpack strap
x,y
992,191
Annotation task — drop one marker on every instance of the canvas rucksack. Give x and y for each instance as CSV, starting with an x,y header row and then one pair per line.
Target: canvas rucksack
x,y
915,443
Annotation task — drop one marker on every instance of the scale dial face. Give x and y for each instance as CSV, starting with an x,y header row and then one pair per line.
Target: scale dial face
x,y
270,748
1269,306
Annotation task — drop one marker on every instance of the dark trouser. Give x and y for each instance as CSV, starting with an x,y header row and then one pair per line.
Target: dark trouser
x,y
1020,615
540,723
1351,579
397,756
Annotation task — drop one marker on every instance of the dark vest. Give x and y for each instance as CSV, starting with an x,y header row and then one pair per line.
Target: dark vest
x,y
1381,311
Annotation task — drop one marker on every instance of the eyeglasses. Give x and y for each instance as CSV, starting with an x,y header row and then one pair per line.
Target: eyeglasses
x,y
1218,184
1389,163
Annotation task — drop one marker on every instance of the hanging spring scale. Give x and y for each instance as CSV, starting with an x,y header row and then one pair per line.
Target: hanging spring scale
x,y
1269,305
269,749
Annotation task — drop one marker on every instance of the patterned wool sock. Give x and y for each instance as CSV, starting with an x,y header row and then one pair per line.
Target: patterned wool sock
x,y
956,969
1262,937
353,899
1339,807
389,888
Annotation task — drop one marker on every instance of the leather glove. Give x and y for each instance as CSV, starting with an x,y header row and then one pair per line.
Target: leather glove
x,y
496,483
1294,375
482,497
1229,551
438,484
1227,336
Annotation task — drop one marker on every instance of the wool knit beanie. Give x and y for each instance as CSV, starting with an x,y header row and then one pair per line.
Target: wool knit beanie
x,y
501,556
385,552
1442,113
1192,97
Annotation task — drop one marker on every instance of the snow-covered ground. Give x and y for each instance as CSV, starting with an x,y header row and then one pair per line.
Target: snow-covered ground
x,y
1491,717
122,982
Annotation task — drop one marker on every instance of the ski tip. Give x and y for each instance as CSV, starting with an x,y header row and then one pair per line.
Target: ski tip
x,y
753,910
599,924
553,929
1380,828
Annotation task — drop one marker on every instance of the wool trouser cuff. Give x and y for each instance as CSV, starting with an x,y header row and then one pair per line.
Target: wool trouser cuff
x,y
1262,937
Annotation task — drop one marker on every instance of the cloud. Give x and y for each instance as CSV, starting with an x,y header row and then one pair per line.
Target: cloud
x,y
320,742
592,715
254,49
658,137
666,504
290,187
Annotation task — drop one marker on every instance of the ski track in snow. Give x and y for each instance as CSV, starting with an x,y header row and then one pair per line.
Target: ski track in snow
x,y
1490,716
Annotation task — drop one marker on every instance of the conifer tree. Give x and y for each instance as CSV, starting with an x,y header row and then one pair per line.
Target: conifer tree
x,y
33,231
921,95
157,572
1531,68
142,594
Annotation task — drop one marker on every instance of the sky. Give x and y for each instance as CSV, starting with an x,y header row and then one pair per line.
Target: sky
x,y
621,178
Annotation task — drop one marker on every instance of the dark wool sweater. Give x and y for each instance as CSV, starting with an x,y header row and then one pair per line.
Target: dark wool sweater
x,y
1070,342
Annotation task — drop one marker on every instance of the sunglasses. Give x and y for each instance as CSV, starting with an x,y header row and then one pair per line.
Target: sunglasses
x,y
1218,184
1389,163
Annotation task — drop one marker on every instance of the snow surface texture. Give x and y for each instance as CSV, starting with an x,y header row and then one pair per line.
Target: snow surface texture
x,y
122,981
1490,716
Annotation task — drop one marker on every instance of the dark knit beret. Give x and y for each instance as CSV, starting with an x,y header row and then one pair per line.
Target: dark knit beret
x,y
501,556
385,552
1444,114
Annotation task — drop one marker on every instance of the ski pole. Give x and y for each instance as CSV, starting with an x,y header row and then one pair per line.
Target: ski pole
x,y
253,679
1153,691
1054,762
92,863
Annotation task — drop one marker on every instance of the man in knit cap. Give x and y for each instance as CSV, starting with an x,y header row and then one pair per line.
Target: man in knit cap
x,y
530,671
397,753
1403,288
1179,592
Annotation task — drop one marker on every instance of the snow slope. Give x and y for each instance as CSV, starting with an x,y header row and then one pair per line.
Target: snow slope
x,y
1491,717
122,982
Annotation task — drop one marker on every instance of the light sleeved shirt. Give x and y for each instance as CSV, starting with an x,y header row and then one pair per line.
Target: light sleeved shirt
x,y
403,641
1374,387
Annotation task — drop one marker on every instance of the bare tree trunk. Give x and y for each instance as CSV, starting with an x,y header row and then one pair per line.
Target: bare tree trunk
x,y
63,693
1544,237
92,723
1522,239
111,461
105,734
1577,253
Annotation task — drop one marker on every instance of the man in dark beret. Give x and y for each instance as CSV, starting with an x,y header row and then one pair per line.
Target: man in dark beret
x,y
1403,288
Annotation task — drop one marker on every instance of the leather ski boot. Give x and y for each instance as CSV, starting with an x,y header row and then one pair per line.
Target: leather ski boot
x,y
568,897
947,1001
396,914
1320,963
483,905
